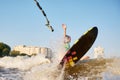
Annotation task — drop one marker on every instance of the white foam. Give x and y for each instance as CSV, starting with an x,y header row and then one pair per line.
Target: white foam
x,y
115,66
49,71
38,67
45,72
58,49
22,62
113,70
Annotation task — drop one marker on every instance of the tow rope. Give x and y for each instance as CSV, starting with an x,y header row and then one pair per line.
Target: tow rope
x,y
48,22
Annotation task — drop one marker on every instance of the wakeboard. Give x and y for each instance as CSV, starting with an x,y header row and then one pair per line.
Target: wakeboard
x,y
80,47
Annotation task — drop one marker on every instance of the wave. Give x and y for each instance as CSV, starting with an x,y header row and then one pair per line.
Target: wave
x,y
95,69
40,68
23,62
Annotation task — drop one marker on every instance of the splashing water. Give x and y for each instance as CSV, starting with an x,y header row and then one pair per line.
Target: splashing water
x,y
23,63
39,67
29,68
113,70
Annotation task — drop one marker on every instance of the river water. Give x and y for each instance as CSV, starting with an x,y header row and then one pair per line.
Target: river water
x,y
40,68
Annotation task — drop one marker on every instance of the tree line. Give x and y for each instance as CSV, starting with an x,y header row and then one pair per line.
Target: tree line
x,y
4,49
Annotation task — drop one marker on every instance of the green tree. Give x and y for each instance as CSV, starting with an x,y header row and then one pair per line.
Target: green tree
x,y
4,49
14,53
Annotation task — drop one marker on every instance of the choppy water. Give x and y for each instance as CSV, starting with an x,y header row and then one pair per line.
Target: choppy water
x,y
95,69
40,68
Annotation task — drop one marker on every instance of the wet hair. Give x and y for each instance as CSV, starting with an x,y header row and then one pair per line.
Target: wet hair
x,y
66,39
67,36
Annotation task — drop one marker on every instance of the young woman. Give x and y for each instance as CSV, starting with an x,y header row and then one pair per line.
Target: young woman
x,y
67,38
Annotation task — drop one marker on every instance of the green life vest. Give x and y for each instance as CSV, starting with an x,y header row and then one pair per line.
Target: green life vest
x,y
67,46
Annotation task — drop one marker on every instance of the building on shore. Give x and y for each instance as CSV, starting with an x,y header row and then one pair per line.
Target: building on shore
x,y
99,52
33,50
